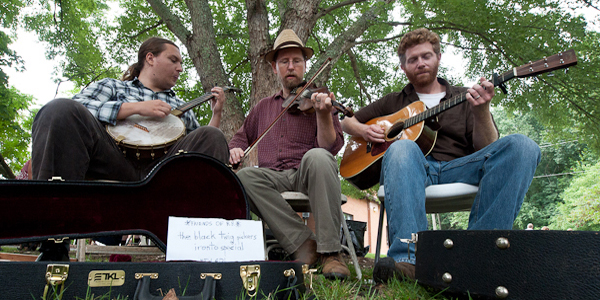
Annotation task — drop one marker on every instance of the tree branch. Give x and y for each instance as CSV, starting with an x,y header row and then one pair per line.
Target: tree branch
x,y
464,48
589,3
570,100
232,71
379,40
5,169
160,22
347,39
354,64
173,22
325,11
481,35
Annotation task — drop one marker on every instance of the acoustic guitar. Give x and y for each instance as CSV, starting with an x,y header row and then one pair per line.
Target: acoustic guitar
x,y
361,163
143,135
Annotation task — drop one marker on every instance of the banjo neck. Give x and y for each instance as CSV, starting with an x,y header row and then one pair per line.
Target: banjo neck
x,y
193,103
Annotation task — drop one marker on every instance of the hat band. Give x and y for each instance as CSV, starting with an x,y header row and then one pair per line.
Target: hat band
x,y
288,43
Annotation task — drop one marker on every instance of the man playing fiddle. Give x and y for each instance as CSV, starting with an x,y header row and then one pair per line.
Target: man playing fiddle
x,y
467,150
69,135
297,154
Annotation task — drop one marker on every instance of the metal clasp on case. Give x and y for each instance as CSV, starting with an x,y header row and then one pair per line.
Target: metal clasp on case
x,y
250,276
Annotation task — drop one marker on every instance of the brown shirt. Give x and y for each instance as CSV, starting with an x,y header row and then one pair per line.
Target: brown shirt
x,y
455,137
290,138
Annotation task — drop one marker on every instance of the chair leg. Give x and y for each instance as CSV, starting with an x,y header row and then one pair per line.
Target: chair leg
x,y
351,248
434,222
379,231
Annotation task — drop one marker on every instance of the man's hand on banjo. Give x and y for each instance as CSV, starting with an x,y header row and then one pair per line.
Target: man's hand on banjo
x,y
151,108
218,101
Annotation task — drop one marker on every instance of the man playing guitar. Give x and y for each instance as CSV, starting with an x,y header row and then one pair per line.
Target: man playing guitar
x,y
467,150
69,135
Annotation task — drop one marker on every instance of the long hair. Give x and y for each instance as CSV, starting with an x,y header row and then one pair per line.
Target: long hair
x,y
154,45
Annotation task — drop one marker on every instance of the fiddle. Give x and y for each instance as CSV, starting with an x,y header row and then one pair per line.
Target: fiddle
x,y
302,103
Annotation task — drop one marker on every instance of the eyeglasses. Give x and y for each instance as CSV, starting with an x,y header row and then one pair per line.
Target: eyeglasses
x,y
285,62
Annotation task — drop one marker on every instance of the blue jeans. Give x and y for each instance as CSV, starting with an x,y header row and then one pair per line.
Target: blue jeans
x,y
503,171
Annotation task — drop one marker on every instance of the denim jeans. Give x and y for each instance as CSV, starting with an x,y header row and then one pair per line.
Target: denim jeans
x,y
503,171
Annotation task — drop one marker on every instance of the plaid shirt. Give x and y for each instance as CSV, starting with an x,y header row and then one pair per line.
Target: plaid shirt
x,y
283,147
104,98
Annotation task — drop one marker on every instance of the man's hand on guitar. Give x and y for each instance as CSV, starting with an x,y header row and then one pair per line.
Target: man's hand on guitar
x,y
151,108
236,155
373,133
218,101
481,94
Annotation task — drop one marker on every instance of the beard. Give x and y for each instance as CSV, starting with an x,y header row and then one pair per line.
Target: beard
x,y
423,79
290,83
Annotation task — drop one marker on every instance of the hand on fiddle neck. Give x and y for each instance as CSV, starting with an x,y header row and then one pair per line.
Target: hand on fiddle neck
x,y
321,102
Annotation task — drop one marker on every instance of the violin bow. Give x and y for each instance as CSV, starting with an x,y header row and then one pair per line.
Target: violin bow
x,y
319,71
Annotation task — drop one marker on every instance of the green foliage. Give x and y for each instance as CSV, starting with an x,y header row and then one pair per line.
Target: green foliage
x,y
581,207
351,191
96,44
15,127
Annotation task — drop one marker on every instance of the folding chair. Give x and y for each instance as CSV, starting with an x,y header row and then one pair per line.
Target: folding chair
x,y
439,198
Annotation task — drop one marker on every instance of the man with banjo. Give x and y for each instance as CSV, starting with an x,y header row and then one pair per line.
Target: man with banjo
x,y
296,155
69,135
467,150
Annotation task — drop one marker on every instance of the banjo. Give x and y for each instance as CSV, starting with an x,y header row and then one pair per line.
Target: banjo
x,y
143,135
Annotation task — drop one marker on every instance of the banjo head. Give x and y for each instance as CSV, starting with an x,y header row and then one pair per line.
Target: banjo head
x,y
140,132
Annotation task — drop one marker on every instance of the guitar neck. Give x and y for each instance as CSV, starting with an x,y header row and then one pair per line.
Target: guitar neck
x,y
558,61
452,102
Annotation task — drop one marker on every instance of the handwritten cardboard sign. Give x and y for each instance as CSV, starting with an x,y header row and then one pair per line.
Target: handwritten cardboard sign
x,y
214,240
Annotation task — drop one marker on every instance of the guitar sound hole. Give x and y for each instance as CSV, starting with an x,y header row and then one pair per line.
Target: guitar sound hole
x,y
395,130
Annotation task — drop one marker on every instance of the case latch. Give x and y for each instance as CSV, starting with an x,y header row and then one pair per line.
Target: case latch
x,y
414,238
250,275
56,275
308,274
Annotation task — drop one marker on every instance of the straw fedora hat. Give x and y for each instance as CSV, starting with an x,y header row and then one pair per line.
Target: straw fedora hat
x,y
288,39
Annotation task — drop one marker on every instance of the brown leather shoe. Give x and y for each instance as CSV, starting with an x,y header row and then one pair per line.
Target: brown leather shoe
x,y
307,253
334,266
386,269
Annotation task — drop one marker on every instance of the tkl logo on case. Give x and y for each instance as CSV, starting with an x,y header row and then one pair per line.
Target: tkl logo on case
x,y
106,278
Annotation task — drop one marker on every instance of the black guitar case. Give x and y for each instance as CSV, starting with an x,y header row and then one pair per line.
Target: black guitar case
x,y
184,185
151,281
506,264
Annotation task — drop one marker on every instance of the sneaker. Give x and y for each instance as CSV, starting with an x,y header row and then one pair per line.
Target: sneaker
x,y
386,269
334,266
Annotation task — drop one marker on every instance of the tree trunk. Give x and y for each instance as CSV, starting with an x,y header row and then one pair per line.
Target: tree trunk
x,y
202,48
5,169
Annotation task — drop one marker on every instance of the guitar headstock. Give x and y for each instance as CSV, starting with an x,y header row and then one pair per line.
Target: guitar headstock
x,y
558,61
231,88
